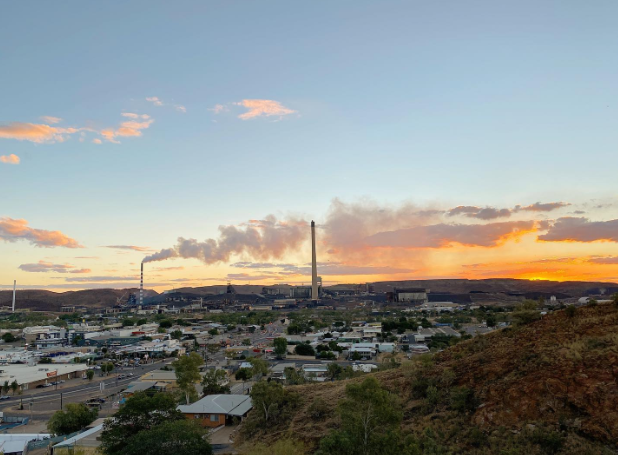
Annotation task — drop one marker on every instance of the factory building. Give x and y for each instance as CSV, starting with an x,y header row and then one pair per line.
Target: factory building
x,y
413,296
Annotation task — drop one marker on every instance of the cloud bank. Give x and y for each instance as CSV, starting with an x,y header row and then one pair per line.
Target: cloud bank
x,y
12,230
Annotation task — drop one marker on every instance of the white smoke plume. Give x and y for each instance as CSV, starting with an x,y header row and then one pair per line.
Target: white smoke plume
x,y
260,239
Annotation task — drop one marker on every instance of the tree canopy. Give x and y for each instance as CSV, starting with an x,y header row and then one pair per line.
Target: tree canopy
x,y
170,438
140,413
76,417
188,373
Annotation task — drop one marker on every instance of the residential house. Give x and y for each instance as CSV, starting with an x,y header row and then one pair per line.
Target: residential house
x,y
217,410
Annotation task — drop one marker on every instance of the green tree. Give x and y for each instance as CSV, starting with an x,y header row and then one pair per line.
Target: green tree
x,y
188,373
270,400
6,387
334,370
176,334
246,342
370,417
141,412
128,322
615,299
165,324
526,312
142,321
76,417
90,374
14,386
213,332
243,374
491,320
281,347
107,367
304,349
8,337
293,377
170,438
259,367
213,382
570,311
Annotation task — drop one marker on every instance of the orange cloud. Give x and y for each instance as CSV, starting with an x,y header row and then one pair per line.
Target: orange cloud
x,y
129,128
12,230
9,159
263,108
443,235
38,133
97,141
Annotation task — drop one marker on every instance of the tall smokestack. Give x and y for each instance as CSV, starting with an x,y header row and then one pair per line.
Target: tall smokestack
x,y
141,286
14,286
314,266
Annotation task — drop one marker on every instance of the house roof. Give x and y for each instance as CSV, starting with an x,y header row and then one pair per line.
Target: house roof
x,y
234,405
71,441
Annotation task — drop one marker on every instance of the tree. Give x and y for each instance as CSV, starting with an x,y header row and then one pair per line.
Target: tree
x,y
270,400
6,387
76,417
213,332
334,370
90,374
176,334
259,367
213,382
491,320
188,373
165,324
246,342
243,374
14,386
213,348
281,347
8,337
170,438
142,321
570,311
281,447
304,349
45,360
107,367
370,417
140,412
526,312
128,322
293,377
615,299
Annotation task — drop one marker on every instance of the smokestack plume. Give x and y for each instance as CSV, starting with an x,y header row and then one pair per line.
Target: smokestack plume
x,y
314,266
14,287
260,239
141,286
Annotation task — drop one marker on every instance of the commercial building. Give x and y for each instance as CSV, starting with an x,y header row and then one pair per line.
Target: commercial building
x,y
28,377
416,296
48,336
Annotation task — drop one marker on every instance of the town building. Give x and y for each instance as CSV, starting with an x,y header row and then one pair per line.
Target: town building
x,y
217,410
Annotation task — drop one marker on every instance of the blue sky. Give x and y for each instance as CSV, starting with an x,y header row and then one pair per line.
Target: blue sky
x,y
450,103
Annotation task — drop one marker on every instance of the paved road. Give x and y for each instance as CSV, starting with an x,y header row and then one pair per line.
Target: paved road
x,y
46,401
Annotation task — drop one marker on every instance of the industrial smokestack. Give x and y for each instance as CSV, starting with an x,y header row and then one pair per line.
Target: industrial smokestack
x,y
314,266
141,286
14,287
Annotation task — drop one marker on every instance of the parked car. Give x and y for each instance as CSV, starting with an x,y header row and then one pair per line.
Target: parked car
x,y
95,401
5,397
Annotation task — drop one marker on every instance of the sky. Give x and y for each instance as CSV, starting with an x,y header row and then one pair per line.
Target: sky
x,y
427,140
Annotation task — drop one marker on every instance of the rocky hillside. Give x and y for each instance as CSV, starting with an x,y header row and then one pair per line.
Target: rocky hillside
x,y
547,387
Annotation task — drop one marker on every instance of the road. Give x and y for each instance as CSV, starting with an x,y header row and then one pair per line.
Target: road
x,y
45,401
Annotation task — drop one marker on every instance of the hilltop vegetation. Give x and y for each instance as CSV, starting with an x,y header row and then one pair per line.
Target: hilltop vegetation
x,y
544,386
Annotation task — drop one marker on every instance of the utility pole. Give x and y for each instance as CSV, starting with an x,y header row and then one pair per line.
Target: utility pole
x,y
61,401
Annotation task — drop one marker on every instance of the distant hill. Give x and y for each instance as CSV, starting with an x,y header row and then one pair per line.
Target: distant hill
x,y
42,300
100,298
